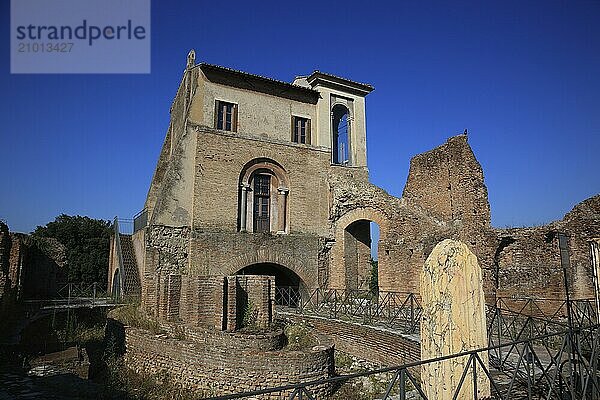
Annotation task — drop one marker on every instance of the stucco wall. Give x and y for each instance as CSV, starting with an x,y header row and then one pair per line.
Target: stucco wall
x,y
259,114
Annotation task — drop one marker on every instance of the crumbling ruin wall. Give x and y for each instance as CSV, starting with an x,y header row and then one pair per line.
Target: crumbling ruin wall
x,y
43,270
528,259
30,267
448,183
582,225
407,233
445,198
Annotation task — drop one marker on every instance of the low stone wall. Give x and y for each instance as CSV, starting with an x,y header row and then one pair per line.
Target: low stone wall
x,y
377,345
218,363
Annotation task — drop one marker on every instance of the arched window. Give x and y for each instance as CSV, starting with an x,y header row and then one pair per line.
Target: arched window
x,y
263,197
341,134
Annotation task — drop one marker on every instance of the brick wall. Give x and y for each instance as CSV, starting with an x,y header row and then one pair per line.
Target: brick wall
x,y
220,159
448,182
202,300
377,345
444,198
227,253
255,295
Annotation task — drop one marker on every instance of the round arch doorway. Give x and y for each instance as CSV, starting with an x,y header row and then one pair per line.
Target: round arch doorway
x,y
288,284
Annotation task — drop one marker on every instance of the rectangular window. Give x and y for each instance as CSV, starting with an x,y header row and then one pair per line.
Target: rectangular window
x,y
300,130
226,116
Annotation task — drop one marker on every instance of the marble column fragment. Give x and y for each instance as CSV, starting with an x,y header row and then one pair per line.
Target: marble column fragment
x,y
453,321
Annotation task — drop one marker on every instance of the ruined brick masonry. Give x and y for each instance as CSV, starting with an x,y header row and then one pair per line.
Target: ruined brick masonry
x,y
261,177
29,269
221,362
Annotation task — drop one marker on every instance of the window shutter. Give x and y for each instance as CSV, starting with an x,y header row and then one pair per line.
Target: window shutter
x,y
216,113
234,118
293,128
308,135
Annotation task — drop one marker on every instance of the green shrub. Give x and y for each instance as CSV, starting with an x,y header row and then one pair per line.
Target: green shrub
x,y
299,336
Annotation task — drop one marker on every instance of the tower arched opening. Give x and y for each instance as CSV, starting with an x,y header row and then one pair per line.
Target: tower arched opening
x,y
340,116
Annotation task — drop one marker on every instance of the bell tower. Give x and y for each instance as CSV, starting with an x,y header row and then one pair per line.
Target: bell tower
x,y
341,122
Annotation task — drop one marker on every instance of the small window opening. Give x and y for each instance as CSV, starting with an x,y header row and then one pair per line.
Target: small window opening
x,y
226,116
300,130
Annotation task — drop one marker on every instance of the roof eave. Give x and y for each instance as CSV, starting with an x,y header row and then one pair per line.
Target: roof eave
x,y
336,82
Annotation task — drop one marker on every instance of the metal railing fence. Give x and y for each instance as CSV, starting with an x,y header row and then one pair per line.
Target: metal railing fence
x,y
533,368
402,311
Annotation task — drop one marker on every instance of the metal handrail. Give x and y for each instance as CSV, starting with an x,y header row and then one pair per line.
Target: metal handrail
x,y
140,220
390,309
402,311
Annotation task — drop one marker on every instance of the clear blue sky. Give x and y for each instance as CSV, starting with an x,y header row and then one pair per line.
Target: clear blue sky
x,y
522,76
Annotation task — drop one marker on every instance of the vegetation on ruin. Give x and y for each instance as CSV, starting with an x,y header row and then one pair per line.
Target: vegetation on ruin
x,y
80,332
179,332
132,315
299,336
366,387
374,281
86,241
250,316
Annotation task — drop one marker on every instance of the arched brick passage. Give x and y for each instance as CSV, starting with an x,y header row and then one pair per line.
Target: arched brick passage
x,y
350,255
283,276
288,284
265,256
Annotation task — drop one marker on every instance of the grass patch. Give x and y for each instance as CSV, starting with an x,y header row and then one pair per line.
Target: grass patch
x,y
343,361
81,334
133,316
121,381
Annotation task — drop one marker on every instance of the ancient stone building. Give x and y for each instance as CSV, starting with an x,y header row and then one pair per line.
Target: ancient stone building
x,y
263,177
